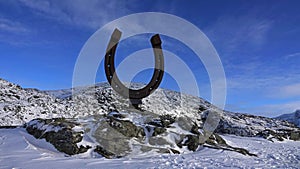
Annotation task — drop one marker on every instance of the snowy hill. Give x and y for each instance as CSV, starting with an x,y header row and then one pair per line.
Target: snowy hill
x,y
19,106
292,117
96,122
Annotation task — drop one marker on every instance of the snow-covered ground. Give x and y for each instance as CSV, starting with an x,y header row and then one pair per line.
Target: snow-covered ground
x,y
18,149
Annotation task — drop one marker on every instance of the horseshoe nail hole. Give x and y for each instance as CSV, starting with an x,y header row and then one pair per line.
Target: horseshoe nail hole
x,y
110,77
108,65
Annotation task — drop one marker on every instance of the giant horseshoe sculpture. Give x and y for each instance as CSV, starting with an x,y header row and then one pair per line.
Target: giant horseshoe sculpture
x,y
114,81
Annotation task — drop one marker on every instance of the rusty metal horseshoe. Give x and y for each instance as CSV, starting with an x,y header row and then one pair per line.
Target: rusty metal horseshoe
x,y
115,82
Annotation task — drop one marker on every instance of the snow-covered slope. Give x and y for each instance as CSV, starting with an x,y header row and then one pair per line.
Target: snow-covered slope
x,y
94,112
21,150
292,117
18,106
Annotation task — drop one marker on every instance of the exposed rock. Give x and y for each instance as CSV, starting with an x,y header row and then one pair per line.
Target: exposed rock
x,y
191,141
217,142
116,136
105,153
295,135
59,133
127,128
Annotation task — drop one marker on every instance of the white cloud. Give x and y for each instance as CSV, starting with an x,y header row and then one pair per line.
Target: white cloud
x,y
275,88
10,26
91,14
267,110
287,91
291,56
255,82
274,110
13,32
233,32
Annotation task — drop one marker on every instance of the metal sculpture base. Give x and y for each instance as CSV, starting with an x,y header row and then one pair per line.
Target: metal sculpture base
x,y
135,103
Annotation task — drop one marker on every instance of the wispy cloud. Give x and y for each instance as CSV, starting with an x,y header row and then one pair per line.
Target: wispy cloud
x,y
267,110
11,31
286,91
262,82
10,26
233,32
78,12
291,56
274,110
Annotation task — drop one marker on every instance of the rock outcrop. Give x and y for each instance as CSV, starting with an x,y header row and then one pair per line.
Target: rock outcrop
x,y
59,132
120,134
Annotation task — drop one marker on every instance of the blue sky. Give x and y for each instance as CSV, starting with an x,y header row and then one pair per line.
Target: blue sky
x,y
257,41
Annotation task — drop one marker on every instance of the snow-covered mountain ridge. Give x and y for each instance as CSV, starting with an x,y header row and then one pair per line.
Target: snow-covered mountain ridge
x,y
18,106
291,117
96,122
